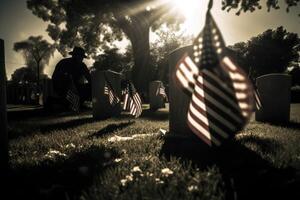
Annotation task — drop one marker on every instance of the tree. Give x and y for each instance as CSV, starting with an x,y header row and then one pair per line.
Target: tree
x,y
113,60
94,23
36,53
270,52
168,40
24,74
251,6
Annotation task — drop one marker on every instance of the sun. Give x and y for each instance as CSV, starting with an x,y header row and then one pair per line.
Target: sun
x,y
192,11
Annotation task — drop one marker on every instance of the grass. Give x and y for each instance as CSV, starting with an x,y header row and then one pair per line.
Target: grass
x,y
71,157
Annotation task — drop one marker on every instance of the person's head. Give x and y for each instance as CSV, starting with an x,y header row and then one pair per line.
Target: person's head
x,y
78,54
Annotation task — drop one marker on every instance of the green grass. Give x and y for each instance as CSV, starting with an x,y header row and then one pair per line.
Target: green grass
x,y
70,157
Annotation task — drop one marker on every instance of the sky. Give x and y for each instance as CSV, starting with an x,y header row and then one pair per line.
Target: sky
x,y
18,23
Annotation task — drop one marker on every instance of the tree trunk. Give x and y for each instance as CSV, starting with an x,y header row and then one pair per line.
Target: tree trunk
x,y
141,56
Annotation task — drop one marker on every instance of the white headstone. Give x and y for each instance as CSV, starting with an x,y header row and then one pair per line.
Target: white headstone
x,y
156,101
274,90
101,106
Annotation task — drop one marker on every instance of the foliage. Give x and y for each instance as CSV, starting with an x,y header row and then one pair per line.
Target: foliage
x,y
93,24
246,5
269,52
36,52
168,40
24,74
113,60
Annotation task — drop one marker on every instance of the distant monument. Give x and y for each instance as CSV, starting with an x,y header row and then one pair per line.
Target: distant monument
x,y
275,93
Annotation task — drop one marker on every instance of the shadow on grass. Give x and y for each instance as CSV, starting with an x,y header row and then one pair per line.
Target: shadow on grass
x,y
245,174
111,128
265,145
157,115
58,178
290,124
21,130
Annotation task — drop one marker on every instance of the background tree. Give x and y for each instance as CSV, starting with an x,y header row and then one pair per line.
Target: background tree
x,y
270,52
250,6
167,41
113,60
94,23
36,52
24,74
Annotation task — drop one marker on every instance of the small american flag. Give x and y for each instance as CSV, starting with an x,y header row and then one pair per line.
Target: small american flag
x,y
73,98
221,93
257,98
132,101
161,91
112,97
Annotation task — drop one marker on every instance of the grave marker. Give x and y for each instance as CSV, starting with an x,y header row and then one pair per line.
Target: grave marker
x,y
101,105
156,101
179,101
181,141
275,93
3,114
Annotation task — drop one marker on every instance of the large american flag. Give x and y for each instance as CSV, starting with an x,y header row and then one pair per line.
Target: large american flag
x,y
112,97
132,100
161,91
221,93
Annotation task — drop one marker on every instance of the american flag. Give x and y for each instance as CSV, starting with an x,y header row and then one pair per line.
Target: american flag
x,y
112,97
221,93
73,98
257,98
132,101
161,91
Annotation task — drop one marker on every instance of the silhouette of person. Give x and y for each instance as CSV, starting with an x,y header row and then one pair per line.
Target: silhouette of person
x,y
73,73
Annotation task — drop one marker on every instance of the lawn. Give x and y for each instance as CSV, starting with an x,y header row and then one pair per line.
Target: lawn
x,y
75,157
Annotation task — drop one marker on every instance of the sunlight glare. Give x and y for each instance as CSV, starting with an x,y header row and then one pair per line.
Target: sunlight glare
x,y
192,11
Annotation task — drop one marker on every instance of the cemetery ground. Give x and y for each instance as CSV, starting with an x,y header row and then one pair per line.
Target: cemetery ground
x,y
69,156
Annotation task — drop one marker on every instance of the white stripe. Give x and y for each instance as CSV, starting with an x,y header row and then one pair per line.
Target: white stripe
x,y
240,86
198,114
203,130
183,81
220,106
208,123
188,74
125,102
217,91
211,75
192,65
227,61
214,114
243,105
245,114
240,95
236,76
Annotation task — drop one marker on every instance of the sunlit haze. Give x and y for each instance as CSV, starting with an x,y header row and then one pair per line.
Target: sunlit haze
x,y
18,23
